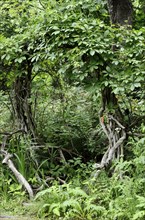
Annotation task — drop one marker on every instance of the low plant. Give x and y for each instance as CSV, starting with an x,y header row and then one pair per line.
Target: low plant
x,y
120,196
67,202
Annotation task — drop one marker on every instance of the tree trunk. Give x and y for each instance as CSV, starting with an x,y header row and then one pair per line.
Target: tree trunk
x,y
120,11
120,14
22,105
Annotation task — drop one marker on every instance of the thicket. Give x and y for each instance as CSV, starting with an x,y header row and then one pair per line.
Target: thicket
x,y
72,92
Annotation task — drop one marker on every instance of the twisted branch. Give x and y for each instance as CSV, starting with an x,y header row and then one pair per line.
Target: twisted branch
x,y
112,132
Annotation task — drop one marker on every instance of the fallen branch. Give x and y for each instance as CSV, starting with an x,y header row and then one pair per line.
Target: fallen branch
x,y
7,160
17,174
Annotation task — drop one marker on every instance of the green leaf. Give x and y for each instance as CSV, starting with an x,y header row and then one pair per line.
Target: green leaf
x,y
3,56
138,215
8,57
92,52
20,60
108,69
56,211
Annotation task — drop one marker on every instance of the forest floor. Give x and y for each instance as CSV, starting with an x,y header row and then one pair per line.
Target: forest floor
x,y
17,213
5,217
16,217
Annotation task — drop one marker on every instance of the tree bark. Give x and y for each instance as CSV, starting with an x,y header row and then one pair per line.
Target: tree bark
x,y
120,11
22,105
120,14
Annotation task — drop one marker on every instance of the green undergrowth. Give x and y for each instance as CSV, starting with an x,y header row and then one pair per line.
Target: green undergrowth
x,y
15,206
118,194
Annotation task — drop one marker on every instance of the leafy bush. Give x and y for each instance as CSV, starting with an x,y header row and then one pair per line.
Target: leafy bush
x,y
69,120
67,202
118,197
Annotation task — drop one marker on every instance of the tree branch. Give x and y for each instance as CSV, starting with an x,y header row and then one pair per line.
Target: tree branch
x,y
7,160
114,141
17,174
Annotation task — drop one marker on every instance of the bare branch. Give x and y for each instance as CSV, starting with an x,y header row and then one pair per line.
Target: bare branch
x,y
11,165
17,174
12,133
113,149
60,180
103,125
117,122
62,156
115,141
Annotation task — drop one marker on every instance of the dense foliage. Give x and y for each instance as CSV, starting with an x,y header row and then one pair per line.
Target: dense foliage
x,y
56,59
